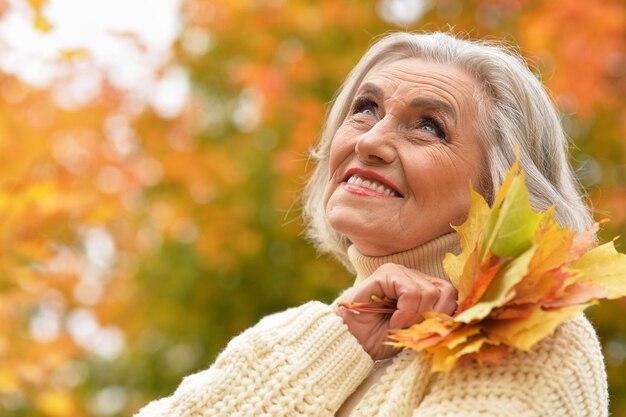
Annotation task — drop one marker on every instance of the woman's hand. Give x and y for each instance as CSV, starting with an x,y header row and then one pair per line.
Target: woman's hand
x,y
415,293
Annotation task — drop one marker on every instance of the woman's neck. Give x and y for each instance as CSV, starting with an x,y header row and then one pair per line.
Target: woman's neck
x,y
427,258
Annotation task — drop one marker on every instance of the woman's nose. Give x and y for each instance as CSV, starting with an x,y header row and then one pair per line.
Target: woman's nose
x,y
375,145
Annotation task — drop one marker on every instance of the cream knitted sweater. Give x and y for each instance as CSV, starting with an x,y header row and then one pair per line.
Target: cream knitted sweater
x,y
304,362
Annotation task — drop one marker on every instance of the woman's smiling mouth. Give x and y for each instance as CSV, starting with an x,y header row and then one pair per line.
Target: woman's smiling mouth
x,y
368,184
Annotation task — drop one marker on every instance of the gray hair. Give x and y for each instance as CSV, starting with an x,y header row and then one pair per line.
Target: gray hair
x,y
517,112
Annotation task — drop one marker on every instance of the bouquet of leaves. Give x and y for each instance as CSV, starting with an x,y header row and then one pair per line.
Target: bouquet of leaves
x,y
519,275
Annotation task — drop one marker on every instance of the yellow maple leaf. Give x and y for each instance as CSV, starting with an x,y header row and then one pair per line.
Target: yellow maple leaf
x,y
603,266
554,245
524,333
456,266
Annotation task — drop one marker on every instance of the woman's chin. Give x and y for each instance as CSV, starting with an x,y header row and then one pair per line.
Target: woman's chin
x,y
368,241
380,239
379,230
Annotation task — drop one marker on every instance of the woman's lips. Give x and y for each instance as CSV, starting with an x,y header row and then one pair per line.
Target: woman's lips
x,y
369,183
359,190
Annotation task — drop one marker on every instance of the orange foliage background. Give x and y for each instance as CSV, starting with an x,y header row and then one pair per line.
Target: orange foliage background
x,y
134,245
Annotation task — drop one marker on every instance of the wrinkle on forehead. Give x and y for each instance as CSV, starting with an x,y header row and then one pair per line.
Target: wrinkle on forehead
x,y
403,81
448,85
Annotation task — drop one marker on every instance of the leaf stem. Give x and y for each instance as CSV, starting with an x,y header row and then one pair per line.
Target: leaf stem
x,y
375,305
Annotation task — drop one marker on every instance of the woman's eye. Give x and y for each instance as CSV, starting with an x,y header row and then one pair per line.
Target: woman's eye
x,y
428,127
365,107
432,127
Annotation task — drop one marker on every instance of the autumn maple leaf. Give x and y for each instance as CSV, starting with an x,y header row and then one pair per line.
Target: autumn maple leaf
x,y
519,276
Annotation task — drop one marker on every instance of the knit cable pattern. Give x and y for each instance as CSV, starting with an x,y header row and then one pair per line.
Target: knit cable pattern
x,y
302,362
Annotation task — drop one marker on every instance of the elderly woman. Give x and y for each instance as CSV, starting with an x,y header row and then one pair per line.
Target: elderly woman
x,y
419,117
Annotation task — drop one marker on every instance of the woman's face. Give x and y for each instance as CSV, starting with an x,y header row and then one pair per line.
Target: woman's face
x,y
401,162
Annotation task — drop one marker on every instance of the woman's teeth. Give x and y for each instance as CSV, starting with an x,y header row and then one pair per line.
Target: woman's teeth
x,y
372,185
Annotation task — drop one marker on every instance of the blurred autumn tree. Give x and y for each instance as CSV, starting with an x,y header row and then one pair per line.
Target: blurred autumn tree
x,y
136,242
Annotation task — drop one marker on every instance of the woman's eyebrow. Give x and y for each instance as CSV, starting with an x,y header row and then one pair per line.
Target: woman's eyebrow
x,y
434,104
373,89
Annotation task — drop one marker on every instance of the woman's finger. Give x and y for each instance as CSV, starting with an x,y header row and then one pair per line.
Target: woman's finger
x,y
437,293
447,301
415,297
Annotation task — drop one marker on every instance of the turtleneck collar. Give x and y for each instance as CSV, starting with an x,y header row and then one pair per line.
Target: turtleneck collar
x,y
427,258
